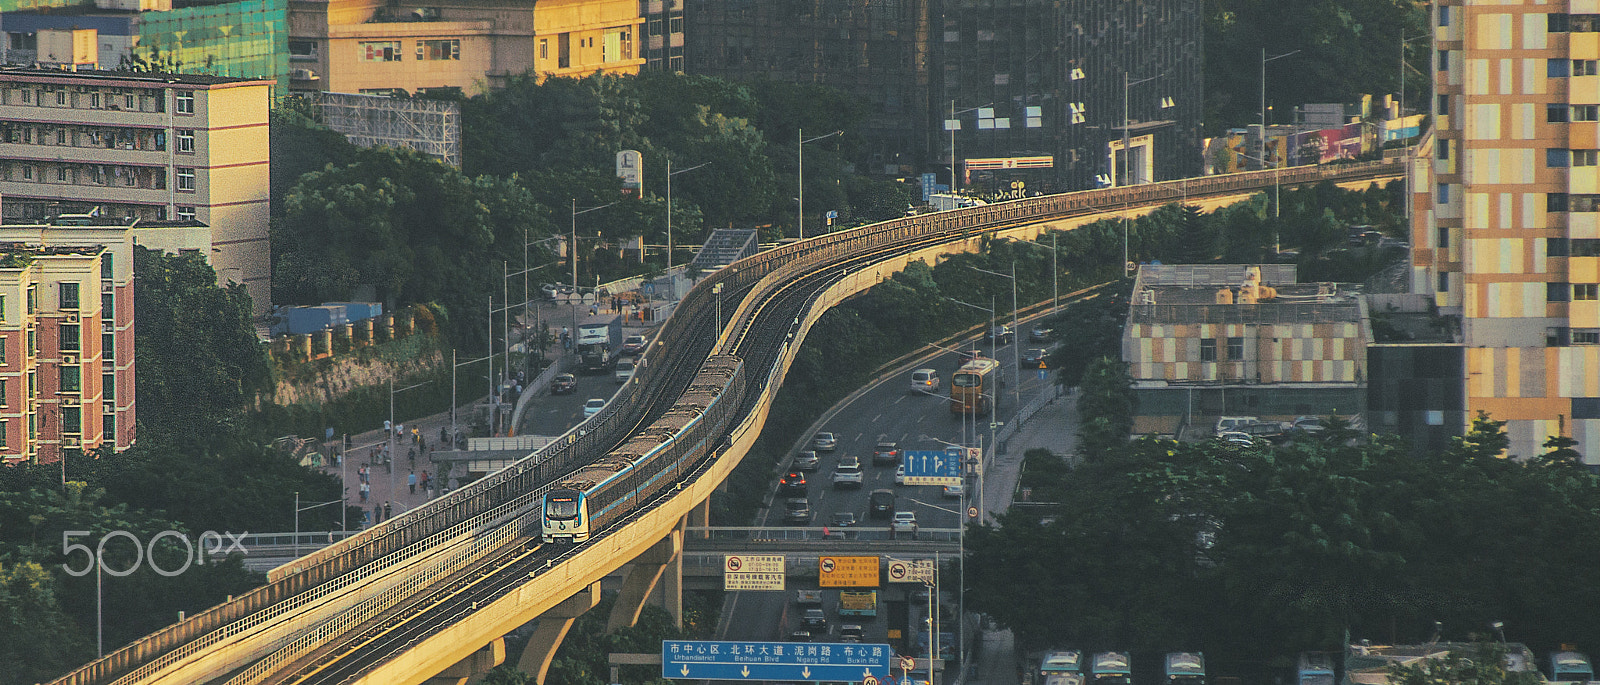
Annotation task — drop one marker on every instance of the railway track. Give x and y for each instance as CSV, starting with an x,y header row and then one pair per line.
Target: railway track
x,y
803,271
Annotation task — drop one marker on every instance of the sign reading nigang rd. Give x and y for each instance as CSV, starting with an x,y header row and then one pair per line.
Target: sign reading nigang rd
x,y
847,572
715,660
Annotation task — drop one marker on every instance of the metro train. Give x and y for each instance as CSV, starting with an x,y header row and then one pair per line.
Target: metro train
x,y
592,497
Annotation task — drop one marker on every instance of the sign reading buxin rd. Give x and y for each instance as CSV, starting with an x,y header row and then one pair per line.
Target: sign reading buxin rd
x,y
930,467
847,572
711,660
911,571
752,572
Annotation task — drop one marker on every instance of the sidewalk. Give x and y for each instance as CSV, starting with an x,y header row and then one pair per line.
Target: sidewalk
x,y
1054,427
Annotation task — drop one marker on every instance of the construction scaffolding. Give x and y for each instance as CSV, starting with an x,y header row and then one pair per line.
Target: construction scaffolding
x,y
432,127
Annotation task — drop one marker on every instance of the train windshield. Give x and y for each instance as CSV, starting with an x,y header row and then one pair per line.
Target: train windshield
x,y
966,380
561,508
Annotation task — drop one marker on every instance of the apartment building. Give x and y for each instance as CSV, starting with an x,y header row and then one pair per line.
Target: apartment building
x,y
66,339
1211,340
380,48
155,147
1506,221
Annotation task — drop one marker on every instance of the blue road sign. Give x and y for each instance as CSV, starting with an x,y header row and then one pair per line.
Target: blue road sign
x,y
929,467
713,660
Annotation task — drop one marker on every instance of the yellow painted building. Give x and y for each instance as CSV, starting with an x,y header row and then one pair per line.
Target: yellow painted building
x,y
156,147
361,46
1506,219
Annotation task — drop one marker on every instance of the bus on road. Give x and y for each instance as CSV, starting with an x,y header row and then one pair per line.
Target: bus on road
x,y
973,386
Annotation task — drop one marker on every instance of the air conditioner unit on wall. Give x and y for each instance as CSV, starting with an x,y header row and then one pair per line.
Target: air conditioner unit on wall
x,y
70,401
72,317
69,359
70,442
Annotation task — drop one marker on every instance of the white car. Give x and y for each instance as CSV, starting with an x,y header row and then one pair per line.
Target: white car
x,y
900,475
824,442
956,490
904,522
925,380
593,406
625,368
848,476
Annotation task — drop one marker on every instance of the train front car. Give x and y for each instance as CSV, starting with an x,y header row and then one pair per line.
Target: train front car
x,y
566,516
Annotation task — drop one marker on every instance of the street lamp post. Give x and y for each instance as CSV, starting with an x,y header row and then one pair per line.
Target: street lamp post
x,y
392,431
574,244
1055,290
309,507
1016,356
1262,138
1277,197
1127,156
716,289
961,590
952,125
670,174
800,219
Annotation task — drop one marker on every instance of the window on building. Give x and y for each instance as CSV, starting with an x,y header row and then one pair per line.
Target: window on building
x,y
1557,68
61,173
1556,247
33,343
108,386
108,425
69,337
1555,202
1442,237
27,96
1585,247
186,179
1555,23
108,346
435,50
1585,67
27,173
378,51
1586,336
544,48
302,50
185,213
675,25
1443,193
33,427
1557,292
71,378
94,100
185,138
1444,60
1555,114
184,102
1441,149
105,266
5,395
69,295
127,102
1208,350
3,341
1557,336
72,420
61,136
1585,291
1557,157
1236,349
33,384
1444,283
61,98
1586,407
1444,105
563,51
1444,16
1583,157
1585,112
1584,203
2,320
33,299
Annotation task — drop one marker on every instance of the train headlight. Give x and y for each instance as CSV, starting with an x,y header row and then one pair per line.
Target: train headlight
x,y
563,526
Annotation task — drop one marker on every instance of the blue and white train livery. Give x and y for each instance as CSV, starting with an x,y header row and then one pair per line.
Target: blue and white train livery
x,y
590,499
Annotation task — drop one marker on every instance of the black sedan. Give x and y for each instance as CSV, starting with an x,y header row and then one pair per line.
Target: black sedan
x,y
792,483
564,384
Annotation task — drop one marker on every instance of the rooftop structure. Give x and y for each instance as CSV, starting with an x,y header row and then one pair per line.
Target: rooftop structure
x,y
1369,664
726,246
432,127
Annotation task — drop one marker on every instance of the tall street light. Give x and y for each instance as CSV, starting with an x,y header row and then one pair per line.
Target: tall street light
x,y
1264,59
1277,198
952,125
961,590
1127,156
574,243
993,402
1016,355
670,174
800,220
394,428
309,507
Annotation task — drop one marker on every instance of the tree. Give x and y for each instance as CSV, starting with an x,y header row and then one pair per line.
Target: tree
x,y
200,364
1106,407
37,639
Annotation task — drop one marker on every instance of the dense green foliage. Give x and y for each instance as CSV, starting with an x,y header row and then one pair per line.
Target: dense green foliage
x,y
1105,407
582,657
1244,552
1483,664
1346,48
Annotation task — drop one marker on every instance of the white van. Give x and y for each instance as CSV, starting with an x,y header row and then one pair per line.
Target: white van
x,y
624,369
925,380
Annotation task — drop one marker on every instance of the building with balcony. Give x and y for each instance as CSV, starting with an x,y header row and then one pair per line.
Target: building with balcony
x,y
362,46
66,339
1506,220
155,147
662,42
1204,341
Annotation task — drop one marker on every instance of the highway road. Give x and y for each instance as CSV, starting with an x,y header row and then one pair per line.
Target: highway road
x,y
887,410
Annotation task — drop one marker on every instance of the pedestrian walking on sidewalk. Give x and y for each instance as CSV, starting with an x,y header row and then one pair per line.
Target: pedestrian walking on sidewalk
x,y
377,514
411,482
365,490
388,509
